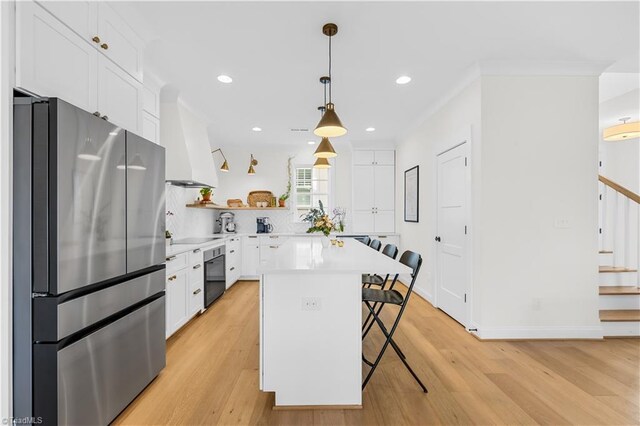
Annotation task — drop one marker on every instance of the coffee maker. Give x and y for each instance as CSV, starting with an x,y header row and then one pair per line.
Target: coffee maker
x,y
227,223
264,225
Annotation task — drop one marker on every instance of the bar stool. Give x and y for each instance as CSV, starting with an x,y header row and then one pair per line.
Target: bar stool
x,y
376,245
389,250
382,297
366,241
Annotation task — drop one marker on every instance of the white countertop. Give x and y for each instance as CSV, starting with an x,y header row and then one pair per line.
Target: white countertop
x,y
175,249
299,254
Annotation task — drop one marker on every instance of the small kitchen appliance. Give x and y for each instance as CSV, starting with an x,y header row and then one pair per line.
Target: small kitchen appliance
x,y
264,225
227,223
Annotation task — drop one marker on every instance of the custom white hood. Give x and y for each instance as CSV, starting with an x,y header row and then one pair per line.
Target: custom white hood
x,y
184,135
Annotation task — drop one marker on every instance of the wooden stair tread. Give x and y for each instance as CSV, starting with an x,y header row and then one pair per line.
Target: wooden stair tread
x,y
605,252
620,315
616,269
619,290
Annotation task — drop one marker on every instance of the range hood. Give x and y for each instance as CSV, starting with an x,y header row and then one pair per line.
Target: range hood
x,y
188,152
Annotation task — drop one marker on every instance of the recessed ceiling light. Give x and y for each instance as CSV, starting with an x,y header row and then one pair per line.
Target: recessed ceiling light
x,y
370,129
257,129
403,79
311,142
224,79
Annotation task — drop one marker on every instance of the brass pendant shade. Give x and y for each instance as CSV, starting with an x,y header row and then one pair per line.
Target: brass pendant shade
x,y
252,163
325,149
322,163
330,125
225,166
622,131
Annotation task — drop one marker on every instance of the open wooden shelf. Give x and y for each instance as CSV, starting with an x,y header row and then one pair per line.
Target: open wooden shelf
x,y
611,269
621,315
219,207
619,290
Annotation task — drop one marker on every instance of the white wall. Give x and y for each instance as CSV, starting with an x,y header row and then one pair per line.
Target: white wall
x,y
539,164
534,156
445,128
271,175
6,157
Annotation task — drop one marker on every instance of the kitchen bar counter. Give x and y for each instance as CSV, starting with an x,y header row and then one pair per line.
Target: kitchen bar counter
x,y
311,319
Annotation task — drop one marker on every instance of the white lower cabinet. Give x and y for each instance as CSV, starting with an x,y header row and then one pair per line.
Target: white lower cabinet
x,y
250,256
176,300
233,261
185,288
269,245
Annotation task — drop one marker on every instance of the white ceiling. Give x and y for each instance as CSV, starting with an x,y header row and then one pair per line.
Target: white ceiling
x,y
276,52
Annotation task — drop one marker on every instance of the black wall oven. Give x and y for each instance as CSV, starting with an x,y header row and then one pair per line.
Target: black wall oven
x,y
214,274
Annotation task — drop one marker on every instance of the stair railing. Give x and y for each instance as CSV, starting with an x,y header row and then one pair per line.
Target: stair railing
x,y
617,232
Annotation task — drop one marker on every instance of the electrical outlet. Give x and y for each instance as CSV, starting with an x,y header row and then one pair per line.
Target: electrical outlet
x,y
311,304
562,223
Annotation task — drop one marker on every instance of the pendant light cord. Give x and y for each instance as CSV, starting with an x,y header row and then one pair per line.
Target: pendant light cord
x,y
330,80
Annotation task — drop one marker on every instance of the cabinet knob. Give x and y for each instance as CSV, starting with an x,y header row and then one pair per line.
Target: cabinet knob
x,y
197,291
105,117
196,251
105,46
96,39
97,113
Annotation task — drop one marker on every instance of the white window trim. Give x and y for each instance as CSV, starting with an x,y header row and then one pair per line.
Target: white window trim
x,y
294,198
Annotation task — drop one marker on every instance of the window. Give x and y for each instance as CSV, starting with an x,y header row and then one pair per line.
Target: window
x,y
311,185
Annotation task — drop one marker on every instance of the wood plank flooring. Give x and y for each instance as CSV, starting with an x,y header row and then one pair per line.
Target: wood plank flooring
x,y
212,377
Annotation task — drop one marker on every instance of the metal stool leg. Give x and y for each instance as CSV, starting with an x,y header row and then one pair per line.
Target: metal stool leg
x,y
388,341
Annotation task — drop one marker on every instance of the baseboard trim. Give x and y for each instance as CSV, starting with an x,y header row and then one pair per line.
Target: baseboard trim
x,y
538,333
316,407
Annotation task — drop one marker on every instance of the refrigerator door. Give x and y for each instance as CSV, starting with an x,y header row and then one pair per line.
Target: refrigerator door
x,y
86,200
96,377
145,203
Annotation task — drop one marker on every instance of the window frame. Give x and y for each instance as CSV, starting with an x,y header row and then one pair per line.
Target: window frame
x,y
294,196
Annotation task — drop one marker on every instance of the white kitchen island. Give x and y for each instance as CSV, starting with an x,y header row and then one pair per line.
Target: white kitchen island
x,y
311,320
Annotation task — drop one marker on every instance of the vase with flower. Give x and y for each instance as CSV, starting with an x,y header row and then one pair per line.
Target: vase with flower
x,y
321,222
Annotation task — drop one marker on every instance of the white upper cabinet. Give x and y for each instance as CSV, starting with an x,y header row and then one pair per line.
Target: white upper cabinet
x,y
119,42
363,158
119,96
150,127
151,100
52,60
80,16
373,191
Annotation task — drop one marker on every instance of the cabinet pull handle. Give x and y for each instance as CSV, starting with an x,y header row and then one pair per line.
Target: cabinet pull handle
x,y
232,268
173,277
197,291
198,266
273,236
105,46
273,246
170,258
96,39
232,251
253,236
196,251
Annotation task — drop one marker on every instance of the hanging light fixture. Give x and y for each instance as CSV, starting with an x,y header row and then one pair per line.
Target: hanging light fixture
x,y
325,149
225,165
89,151
322,163
136,163
621,132
252,163
330,125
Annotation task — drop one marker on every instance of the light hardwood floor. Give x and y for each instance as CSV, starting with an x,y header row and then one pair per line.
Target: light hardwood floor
x,y
212,377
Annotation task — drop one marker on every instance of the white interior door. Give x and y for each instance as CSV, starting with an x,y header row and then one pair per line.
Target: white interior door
x,y
452,215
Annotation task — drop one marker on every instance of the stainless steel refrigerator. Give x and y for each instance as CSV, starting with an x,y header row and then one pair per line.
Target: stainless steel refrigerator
x,y
88,272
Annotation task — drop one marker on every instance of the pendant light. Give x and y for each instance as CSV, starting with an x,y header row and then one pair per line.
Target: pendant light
x,y
621,132
322,163
330,125
89,151
252,163
325,149
225,165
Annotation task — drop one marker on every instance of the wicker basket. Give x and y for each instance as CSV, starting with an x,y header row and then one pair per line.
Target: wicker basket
x,y
235,202
259,196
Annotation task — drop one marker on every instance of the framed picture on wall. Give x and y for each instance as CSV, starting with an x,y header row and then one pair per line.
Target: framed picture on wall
x,y
411,187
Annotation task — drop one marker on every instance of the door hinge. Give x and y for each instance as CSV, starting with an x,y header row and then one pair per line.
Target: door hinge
x,y
465,298
465,230
599,230
600,163
465,161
